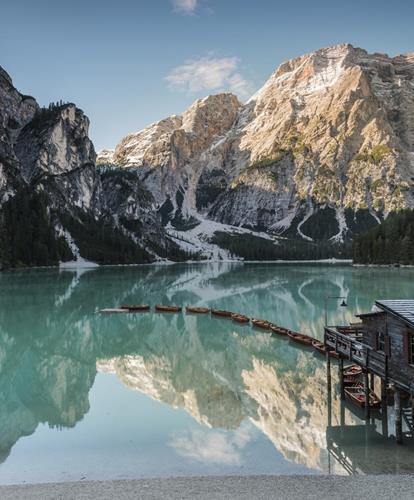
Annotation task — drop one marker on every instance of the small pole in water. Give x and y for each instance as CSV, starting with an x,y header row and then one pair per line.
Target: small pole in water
x,y
366,387
341,377
342,417
329,387
384,408
398,416
328,370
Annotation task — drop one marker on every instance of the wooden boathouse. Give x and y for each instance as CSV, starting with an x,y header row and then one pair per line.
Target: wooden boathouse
x,y
382,344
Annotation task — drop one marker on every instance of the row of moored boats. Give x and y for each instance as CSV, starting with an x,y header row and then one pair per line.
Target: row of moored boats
x,y
297,337
354,389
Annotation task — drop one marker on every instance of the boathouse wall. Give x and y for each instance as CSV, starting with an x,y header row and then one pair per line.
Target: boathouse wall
x,y
387,333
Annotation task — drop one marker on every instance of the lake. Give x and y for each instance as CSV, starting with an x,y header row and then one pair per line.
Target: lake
x,y
85,395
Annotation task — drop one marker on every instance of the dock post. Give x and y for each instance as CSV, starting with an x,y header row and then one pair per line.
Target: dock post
x,y
372,385
342,415
328,370
329,387
367,399
341,377
398,417
384,408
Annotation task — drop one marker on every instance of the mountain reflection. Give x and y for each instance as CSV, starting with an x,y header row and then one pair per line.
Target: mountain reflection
x,y
52,343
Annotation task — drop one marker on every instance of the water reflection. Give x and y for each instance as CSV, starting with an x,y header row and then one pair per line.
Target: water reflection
x,y
227,377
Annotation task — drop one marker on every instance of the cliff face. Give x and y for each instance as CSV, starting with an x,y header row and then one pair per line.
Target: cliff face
x,y
171,154
56,153
329,140
55,205
16,110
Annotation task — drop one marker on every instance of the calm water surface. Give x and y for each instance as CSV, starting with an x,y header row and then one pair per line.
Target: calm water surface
x,y
91,396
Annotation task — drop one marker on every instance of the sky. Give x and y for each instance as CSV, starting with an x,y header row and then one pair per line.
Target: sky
x,y
128,63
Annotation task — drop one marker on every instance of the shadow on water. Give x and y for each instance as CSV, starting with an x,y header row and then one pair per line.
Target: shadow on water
x,y
53,343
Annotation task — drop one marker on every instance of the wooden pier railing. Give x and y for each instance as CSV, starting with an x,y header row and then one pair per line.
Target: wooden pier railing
x,y
356,351
350,347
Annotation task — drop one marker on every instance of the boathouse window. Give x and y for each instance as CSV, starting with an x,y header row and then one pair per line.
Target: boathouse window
x,y
381,341
411,349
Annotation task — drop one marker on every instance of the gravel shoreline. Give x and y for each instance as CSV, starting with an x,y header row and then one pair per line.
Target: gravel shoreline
x,y
216,487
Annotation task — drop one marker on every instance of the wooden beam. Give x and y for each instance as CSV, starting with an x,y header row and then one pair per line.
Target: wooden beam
x,y
341,377
384,408
398,416
328,371
366,389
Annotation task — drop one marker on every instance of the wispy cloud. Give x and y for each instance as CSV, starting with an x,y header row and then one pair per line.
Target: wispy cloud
x,y
185,6
210,73
212,447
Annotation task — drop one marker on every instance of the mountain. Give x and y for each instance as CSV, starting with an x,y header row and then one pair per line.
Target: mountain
x,y
321,152
54,204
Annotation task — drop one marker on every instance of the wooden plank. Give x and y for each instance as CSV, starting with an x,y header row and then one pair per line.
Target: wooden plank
x,y
367,394
398,417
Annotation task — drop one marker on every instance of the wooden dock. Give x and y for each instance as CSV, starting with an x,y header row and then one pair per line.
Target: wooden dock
x,y
373,363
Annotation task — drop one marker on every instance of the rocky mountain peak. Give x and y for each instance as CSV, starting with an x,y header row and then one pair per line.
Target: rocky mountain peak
x,y
332,130
55,142
187,134
211,116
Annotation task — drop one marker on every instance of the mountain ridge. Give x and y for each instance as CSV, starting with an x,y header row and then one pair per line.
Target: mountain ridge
x,y
321,153
329,132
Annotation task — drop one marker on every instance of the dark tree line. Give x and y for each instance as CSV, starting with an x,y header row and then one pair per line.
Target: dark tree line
x,y
100,241
27,235
252,247
391,242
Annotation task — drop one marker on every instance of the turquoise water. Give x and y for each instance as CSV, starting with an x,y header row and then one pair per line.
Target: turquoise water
x,y
91,396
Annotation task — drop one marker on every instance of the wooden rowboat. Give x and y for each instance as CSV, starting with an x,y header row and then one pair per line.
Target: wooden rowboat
x,y
352,371
356,395
351,375
240,318
278,330
300,338
220,312
197,310
172,309
113,310
136,307
321,348
261,323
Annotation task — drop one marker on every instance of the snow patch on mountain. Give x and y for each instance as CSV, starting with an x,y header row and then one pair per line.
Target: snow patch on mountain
x,y
198,239
79,261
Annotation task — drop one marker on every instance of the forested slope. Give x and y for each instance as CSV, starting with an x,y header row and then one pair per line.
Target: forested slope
x,y
392,242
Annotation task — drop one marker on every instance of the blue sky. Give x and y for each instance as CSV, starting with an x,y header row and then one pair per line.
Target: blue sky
x,y
127,63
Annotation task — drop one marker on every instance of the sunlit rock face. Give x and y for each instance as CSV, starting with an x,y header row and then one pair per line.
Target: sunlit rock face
x,y
171,153
16,110
55,146
329,130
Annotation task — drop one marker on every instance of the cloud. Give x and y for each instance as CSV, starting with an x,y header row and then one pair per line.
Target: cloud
x,y
210,73
185,6
212,447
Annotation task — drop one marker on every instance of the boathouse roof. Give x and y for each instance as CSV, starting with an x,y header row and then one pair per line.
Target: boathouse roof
x,y
402,308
